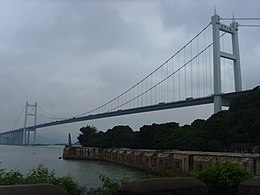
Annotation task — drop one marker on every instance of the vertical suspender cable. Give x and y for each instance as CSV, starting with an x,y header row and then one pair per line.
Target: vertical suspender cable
x,y
197,67
205,65
185,94
210,71
179,76
162,88
224,65
151,90
173,83
191,79
168,84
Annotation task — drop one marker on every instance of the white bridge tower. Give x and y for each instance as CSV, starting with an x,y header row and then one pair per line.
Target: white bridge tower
x,y
217,55
27,131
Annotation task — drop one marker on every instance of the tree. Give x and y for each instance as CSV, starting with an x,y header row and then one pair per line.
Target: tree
x,y
146,137
86,135
118,136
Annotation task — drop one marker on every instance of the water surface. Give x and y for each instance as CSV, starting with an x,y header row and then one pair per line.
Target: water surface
x,y
86,172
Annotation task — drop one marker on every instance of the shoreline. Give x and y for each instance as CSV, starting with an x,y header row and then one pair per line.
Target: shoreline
x,y
161,161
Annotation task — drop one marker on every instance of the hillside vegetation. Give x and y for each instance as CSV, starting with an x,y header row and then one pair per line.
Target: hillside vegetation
x,y
239,124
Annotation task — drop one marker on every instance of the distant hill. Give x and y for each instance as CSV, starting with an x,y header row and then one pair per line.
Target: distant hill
x,y
40,139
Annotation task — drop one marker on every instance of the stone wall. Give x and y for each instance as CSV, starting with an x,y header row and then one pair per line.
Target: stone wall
x,y
162,160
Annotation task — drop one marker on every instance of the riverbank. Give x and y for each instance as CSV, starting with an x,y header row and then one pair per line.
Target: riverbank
x,y
160,161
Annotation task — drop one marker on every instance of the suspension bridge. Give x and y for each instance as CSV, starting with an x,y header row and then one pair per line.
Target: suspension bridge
x,y
199,73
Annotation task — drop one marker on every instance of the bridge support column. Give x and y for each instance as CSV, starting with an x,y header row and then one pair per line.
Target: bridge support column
x,y
237,68
34,136
216,64
15,138
217,103
21,137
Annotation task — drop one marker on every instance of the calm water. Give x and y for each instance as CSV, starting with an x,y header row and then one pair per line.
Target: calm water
x,y
24,158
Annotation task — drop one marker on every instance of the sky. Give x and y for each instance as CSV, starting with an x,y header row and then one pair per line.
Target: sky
x,y
72,56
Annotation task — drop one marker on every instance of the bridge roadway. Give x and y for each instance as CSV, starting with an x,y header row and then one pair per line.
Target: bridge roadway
x,y
226,98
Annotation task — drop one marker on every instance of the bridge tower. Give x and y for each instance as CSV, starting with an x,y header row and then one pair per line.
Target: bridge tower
x,y
217,55
26,131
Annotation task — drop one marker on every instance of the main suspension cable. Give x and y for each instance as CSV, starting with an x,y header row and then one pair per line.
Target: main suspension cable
x,y
18,118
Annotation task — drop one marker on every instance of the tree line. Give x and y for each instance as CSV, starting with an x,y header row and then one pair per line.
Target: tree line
x,y
239,124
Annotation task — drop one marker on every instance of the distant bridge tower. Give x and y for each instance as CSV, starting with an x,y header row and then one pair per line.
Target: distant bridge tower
x,y
26,131
217,55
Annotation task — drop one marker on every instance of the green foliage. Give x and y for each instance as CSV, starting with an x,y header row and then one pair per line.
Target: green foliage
x,y
87,134
41,175
223,177
110,187
70,185
118,136
11,177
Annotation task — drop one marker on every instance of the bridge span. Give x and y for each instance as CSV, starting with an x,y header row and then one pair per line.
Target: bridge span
x,y
14,137
226,98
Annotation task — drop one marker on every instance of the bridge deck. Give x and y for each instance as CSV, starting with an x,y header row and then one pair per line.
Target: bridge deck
x,y
161,106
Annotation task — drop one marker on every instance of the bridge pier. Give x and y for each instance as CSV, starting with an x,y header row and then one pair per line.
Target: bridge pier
x,y
27,136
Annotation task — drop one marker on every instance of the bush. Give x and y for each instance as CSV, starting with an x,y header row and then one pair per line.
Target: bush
x,y
41,175
110,187
10,178
223,177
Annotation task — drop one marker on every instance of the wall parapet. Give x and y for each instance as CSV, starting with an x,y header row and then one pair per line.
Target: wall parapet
x,y
160,161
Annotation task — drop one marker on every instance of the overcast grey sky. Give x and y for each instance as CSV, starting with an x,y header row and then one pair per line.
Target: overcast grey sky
x,y
72,56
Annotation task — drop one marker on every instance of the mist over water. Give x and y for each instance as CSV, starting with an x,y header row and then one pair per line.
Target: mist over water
x,y
24,158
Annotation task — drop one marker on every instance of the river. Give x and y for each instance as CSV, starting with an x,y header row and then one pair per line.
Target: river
x,y
24,158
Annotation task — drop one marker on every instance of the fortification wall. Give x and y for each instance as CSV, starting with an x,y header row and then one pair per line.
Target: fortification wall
x,y
162,160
